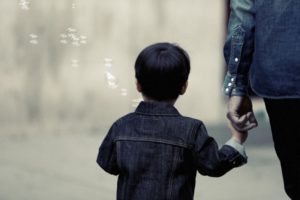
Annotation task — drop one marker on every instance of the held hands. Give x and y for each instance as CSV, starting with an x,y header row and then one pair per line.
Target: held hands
x,y
238,136
240,113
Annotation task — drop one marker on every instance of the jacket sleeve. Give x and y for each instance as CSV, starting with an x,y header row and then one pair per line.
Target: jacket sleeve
x,y
239,46
107,156
209,159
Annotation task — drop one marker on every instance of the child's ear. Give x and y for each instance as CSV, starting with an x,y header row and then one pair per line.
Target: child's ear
x,y
138,86
184,87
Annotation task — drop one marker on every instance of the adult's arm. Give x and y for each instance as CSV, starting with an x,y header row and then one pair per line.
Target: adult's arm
x,y
238,52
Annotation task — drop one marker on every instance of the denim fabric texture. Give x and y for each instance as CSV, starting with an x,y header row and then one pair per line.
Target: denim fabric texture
x,y
263,47
156,153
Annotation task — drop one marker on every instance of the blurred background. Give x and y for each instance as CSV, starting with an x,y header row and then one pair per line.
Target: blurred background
x,y
66,74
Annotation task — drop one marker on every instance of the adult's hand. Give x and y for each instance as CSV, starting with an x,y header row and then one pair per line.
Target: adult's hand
x,y
240,113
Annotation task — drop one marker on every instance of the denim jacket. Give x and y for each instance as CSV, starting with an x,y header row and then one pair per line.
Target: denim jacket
x,y
156,153
263,48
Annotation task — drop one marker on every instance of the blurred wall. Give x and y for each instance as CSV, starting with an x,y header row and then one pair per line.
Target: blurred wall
x,y
55,57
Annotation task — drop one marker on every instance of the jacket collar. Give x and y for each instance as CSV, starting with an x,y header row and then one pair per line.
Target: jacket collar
x,y
156,108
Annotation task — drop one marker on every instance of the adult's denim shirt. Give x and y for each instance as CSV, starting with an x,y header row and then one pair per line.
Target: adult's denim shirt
x,y
156,153
263,48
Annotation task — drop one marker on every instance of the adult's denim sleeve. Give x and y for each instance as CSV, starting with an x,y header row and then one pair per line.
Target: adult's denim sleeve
x,y
107,156
239,46
212,161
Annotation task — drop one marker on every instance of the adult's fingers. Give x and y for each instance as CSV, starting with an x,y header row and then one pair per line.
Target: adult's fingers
x,y
242,123
237,119
252,119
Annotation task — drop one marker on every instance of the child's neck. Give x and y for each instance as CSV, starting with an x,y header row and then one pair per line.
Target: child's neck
x,y
147,99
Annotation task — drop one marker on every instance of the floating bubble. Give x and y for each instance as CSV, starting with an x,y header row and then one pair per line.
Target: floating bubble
x,y
75,38
111,80
136,102
33,39
70,29
106,60
34,42
71,36
24,4
75,63
112,84
83,37
33,36
108,65
110,76
124,92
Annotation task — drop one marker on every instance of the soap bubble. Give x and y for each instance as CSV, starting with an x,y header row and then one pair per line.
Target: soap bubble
x,y
73,5
75,38
108,65
33,36
24,4
75,63
70,29
124,92
107,60
83,37
33,42
111,80
33,39
71,36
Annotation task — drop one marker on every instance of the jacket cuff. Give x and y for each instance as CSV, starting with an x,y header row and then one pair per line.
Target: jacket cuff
x,y
235,85
236,159
237,146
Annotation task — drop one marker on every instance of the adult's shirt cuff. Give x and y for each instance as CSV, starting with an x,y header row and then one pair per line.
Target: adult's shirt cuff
x,y
235,85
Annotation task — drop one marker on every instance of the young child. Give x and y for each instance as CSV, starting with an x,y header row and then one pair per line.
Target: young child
x,y
155,150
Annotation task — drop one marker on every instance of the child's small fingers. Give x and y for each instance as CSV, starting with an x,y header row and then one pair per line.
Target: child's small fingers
x,y
242,123
236,119
250,126
252,119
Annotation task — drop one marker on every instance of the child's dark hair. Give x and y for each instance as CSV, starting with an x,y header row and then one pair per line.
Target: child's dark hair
x,y
162,69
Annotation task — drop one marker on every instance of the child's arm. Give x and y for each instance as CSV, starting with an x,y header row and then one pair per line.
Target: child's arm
x,y
212,161
238,136
237,140
107,156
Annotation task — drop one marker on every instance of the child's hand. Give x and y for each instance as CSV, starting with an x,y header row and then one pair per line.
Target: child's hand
x,y
239,136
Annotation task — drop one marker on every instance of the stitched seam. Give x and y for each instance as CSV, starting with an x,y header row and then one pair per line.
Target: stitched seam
x,y
194,132
154,140
157,114
172,177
